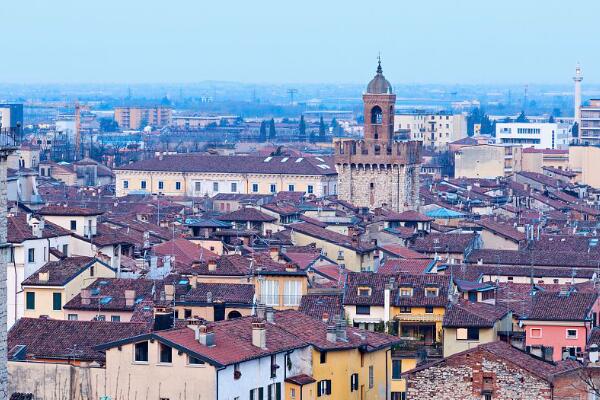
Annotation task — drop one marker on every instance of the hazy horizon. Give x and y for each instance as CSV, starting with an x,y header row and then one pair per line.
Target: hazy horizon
x,y
270,42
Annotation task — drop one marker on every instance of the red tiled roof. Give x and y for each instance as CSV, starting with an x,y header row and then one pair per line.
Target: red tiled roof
x,y
247,214
467,314
401,251
18,230
58,210
184,251
573,306
317,304
61,272
330,236
405,266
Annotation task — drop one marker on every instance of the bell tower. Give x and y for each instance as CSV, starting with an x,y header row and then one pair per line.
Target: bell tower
x,y
377,170
379,103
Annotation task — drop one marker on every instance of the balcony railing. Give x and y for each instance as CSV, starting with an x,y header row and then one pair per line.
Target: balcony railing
x,y
10,137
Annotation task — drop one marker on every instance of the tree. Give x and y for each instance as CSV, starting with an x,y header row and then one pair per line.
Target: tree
x,y
479,117
108,125
551,119
321,130
522,117
272,132
302,129
262,136
313,136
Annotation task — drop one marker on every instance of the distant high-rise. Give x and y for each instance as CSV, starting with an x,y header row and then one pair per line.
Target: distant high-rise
x,y
577,79
140,117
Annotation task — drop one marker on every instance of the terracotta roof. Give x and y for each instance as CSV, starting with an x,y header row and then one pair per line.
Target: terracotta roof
x,y
301,379
444,242
108,294
184,251
247,214
506,230
405,266
407,216
317,305
62,271
63,339
400,251
535,258
196,162
220,293
18,230
331,236
572,306
58,210
468,314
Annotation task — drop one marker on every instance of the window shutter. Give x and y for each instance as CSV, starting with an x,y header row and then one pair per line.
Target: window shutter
x,y
269,390
278,391
319,385
328,390
260,393
251,394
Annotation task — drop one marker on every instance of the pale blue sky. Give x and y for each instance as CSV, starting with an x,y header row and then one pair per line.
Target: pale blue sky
x,y
280,41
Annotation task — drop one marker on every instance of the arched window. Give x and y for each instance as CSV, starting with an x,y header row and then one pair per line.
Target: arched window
x,y
376,115
234,314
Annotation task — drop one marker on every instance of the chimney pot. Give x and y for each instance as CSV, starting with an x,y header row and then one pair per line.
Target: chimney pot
x,y
259,334
270,314
331,334
325,317
43,276
212,264
86,295
129,298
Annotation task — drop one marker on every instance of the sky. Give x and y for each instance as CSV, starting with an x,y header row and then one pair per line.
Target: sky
x,y
308,41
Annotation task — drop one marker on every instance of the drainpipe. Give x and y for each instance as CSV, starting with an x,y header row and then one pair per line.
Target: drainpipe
x,y
387,378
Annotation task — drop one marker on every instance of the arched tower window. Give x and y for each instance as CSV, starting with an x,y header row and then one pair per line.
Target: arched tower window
x,y
376,115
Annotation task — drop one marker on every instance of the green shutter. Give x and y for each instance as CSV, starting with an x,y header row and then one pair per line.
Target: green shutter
x,y
56,301
260,393
30,300
278,391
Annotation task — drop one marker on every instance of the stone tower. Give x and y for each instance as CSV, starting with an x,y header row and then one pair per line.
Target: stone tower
x,y
378,170
577,101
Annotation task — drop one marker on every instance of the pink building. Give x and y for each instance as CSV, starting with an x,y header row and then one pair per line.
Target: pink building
x,y
561,322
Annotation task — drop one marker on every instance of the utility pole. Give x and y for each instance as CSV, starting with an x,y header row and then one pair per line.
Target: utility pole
x,y
292,92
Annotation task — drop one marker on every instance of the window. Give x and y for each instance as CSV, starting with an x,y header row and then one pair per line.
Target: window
x,y
353,382
72,317
364,291
405,292
255,187
536,332
56,301
292,293
197,186
166,354
429,309
273,188
324,388
274,391
431,292
396,369
233,187
143,184
30,300
293,393
161,185
187,313
101,317
273,366
291,188
256,394
467,333
323,357
31,255
398,396
194,361
115,318
270,292
405,310
141,352
65,249
73,225
215,186
125,184
363,310
310,189
571,333
371,377
177,185
92,270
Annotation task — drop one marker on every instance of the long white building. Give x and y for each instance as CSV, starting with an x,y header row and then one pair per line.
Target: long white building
x,y
548,135
435,130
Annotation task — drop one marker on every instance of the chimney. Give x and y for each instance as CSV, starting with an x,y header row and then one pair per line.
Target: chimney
x,y
129,298
325,317
340,330
206,336
259,334
169,292
331,333
270,314
260,311
86,296
386,304
43,276
274,253
212,264
593,353
209,297
194,324
290,267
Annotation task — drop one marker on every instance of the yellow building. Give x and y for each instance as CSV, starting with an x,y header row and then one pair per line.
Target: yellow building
x,y
585,161
346,250
487,161
198,175
140,117
469,324
57,282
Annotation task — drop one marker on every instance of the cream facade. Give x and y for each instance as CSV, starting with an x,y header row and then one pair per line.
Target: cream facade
x,y
456,339
487,161
585,161
436,131
135,117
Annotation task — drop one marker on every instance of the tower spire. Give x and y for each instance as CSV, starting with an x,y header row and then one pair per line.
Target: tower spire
x,y
379,70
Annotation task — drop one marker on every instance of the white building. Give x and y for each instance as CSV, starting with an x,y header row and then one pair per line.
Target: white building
x,y
548,135
436,130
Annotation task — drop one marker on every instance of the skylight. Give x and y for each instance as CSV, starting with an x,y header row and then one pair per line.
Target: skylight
x,y
105,300
268,159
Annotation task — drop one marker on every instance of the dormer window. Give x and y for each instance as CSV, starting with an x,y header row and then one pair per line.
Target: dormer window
x,y
364,291
431,292
406,292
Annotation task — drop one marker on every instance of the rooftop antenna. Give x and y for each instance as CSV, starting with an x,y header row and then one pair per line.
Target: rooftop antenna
x,y
292,92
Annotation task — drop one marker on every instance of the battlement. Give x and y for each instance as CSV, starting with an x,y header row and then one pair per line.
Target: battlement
x,y
350,151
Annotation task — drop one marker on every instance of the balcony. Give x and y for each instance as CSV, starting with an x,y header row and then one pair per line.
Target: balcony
x,y
419,318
